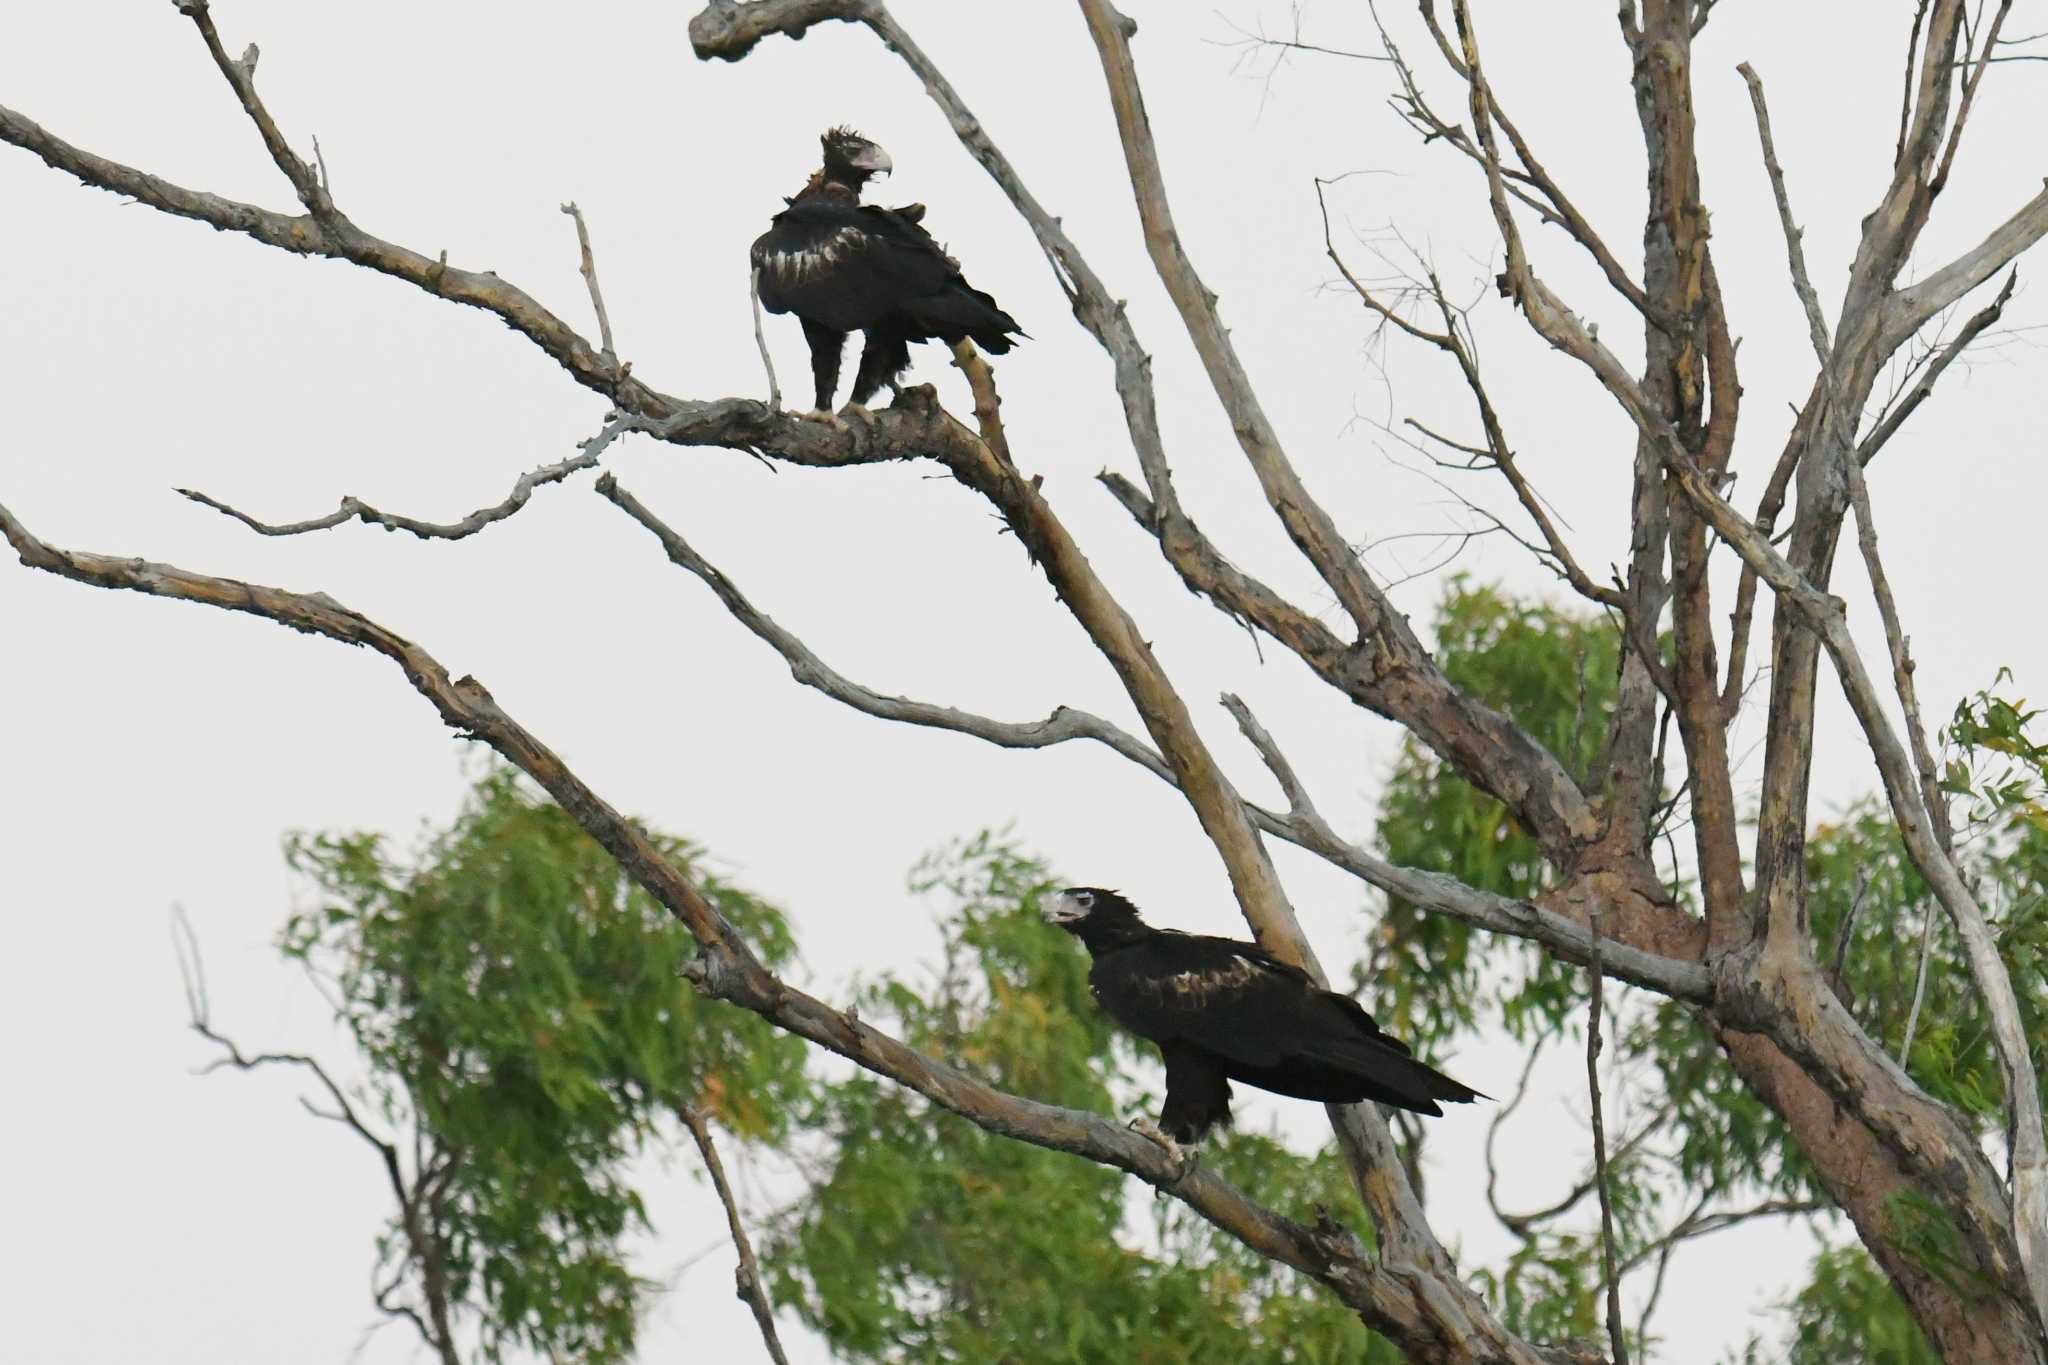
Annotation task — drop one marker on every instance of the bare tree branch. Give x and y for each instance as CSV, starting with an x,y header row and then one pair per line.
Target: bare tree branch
x,y
241,76
1979,322
747,1274
1616,1341
1065,723
1902,661
356,509
435,1326
1919,985
588,269
1802,283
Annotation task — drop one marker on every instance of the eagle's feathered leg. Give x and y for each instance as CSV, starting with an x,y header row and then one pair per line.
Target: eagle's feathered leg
x,y
826,346
885,355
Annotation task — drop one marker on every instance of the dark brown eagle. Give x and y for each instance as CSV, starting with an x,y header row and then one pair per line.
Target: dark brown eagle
x,y
1221,1010
843,266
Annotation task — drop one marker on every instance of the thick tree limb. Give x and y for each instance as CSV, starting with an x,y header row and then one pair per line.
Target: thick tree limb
x,y
1912,308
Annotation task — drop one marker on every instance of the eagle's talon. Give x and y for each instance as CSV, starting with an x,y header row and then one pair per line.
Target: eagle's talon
x,y
830,419
1185,1159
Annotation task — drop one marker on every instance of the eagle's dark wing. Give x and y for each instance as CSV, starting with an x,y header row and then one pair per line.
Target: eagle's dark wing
x,y
853,267
1264,1021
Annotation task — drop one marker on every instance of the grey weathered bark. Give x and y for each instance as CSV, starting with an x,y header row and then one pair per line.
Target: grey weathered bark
x,y
1747,966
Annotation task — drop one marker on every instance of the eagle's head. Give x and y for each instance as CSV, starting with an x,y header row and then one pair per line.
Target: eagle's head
x,y
851,159
1099,918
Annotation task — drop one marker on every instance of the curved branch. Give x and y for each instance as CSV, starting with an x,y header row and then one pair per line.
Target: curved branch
x,y
1065,723
358,510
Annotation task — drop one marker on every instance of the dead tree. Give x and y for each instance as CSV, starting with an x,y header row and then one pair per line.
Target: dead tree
x,y
1747,965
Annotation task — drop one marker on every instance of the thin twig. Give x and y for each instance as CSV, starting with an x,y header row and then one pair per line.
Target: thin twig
x,y
1845,933
588,269
357,510
1919,984
747,1274
1971,330
761,342
1802,283
1064,724
1616,1341
1902,658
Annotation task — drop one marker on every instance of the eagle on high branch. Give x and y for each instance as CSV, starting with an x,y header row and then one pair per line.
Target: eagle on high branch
x,y
843,266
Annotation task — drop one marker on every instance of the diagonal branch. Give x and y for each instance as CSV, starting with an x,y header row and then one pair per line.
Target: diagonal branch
x,y
587,267
1910,309
241,76
1531,184
1479,743
331,235
1802,283
1979,321
1065,723
1307,524
747,1274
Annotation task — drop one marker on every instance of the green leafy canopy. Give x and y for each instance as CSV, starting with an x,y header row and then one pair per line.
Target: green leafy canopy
x,y
517,1001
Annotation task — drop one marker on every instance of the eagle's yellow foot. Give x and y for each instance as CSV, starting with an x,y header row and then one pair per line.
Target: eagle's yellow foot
x,y
1185,1159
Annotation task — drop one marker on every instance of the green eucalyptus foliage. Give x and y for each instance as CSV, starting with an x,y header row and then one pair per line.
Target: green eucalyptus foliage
x,y
1554,674
926,1239
1861,861
1848,1314
517,1003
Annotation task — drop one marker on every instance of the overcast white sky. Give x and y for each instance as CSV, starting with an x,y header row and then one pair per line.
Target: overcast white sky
x,y
154,754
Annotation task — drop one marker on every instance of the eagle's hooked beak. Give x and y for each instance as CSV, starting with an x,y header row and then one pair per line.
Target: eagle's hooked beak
x,y
873,160
1062,907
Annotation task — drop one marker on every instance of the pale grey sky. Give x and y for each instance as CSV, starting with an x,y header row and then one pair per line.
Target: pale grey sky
x,y
154,754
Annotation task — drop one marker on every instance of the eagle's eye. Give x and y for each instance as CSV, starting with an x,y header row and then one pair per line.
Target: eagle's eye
x,y
1085,899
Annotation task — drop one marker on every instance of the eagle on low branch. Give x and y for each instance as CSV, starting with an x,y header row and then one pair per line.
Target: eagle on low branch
x,y
843,266
1221,1010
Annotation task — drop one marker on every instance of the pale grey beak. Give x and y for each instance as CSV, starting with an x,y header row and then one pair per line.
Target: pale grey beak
x,y
1061,907
873,160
